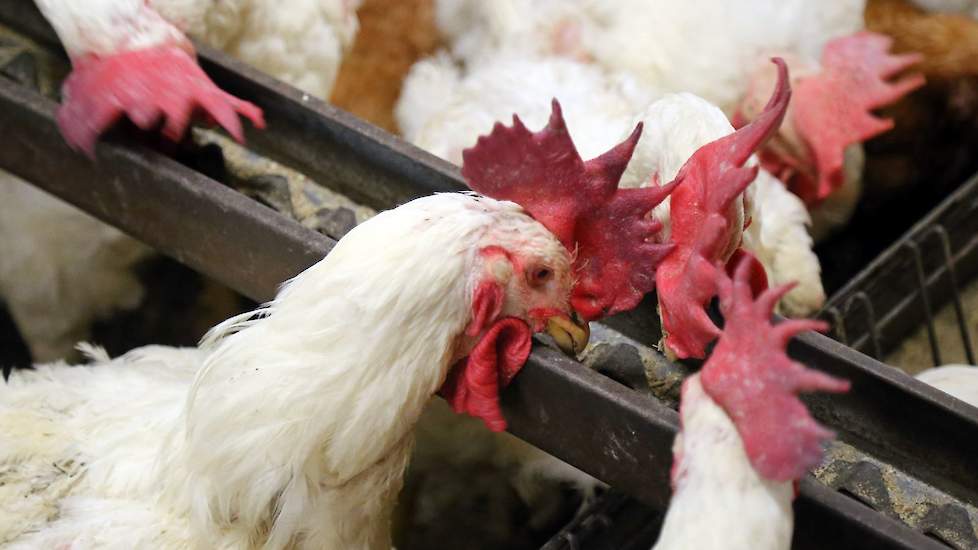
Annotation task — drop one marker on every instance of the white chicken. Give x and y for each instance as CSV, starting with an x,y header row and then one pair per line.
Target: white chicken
x,y
284,427
132,58
61,269
650,39
679,130
601,108
732,478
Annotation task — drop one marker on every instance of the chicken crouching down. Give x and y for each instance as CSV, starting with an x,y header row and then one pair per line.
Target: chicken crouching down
x,y
293,425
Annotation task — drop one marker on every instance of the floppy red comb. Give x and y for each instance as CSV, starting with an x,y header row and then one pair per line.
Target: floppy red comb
x,y
162,83
832,108
704,227
580,203
752,378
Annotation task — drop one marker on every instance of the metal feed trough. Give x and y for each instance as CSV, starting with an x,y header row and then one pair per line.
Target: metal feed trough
x,y
899,443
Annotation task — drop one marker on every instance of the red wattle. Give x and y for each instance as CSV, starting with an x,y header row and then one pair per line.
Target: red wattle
x,y
472,386
758,275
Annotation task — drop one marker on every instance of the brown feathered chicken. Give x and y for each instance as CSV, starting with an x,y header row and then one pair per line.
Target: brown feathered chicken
x,y
933,143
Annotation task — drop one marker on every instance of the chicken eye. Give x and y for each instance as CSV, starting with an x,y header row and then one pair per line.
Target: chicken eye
x,y
540,276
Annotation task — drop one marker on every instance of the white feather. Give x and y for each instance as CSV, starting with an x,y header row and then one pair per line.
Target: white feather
x,y
291,429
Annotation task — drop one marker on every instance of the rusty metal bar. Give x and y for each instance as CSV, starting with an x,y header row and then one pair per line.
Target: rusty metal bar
x,y
197,221
891,283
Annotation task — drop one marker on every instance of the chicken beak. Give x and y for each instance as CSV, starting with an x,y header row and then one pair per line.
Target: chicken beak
x,y
570,333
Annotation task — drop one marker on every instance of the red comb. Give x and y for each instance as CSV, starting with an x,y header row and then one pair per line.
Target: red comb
x,y
832,108
704,228
751,377
147,86
580,203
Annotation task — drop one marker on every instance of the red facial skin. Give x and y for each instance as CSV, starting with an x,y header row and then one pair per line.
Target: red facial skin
x,y
147,86
473,384
750,376
487,304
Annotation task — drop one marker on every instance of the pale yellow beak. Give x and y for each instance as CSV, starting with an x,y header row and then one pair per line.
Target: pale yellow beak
x,y
570,334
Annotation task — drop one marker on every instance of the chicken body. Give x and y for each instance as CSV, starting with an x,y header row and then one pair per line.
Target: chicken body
x,y
289,428
675,127
301,42
649,39
719,500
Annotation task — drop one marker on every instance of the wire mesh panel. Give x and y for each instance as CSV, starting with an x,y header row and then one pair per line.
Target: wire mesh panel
x,y
916,295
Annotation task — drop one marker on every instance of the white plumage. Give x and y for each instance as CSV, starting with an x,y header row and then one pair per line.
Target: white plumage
x,y
719,501
289,427
675,127
299,41
705,47
60,269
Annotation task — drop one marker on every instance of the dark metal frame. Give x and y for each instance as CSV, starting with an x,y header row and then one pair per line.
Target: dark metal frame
x,y
906,284
580,416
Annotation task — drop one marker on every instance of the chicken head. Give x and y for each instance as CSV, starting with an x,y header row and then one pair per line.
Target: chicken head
x,y
704,230
752,378
521,284
128,60
832,110
606,228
